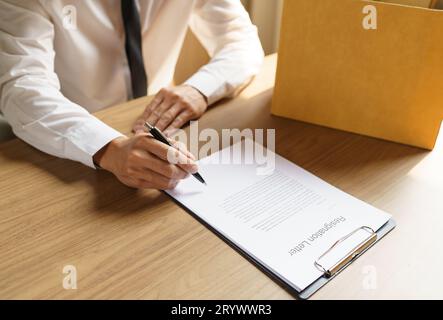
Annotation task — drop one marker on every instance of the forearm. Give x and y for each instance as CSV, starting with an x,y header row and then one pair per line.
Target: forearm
x,y
225,30
225,74
30,96
42,117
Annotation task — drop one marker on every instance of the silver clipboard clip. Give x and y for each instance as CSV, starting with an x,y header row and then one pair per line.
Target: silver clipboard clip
x,y
351,255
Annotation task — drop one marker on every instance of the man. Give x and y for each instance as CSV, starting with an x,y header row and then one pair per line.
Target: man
x,y
61,59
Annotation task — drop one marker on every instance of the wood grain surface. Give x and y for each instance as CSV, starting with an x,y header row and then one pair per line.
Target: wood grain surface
x,y
129,244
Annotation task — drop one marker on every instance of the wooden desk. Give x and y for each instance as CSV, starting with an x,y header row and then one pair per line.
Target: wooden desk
x,y
138,244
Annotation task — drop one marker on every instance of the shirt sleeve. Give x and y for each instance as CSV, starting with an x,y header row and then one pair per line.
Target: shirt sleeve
x,y
225,30
30,96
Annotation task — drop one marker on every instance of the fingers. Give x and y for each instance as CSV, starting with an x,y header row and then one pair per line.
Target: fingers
x,y
144,171
160,117
169,116
184,117
182,148
158,99
139,124
145,161
172,108
129,181
135,182
169,154
158,111
150,179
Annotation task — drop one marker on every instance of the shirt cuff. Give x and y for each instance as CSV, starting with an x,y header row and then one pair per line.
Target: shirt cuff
x,y
88,139
208,84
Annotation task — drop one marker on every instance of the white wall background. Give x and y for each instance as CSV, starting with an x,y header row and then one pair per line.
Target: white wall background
x,y
266,15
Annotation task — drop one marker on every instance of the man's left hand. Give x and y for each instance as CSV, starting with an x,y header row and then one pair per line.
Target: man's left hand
x,y
172,108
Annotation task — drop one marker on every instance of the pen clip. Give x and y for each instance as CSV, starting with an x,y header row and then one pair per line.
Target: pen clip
x,y
148,126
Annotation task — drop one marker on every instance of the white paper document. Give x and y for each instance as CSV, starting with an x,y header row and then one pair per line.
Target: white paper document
x,y
284,217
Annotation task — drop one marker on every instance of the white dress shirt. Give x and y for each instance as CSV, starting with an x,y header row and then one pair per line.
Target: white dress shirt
x,y
61,59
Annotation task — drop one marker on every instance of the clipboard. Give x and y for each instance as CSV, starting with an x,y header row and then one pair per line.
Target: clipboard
x,y
373,237
343,262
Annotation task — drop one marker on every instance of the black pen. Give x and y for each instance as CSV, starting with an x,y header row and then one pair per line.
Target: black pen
x,y
159,136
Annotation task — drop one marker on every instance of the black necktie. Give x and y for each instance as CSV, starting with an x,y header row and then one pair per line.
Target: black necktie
x,y
133,47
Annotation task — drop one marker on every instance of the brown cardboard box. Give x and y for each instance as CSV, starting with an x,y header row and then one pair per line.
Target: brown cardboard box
x,y
415,3
335,69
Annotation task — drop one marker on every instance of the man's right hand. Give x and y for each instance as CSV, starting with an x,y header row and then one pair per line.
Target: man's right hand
x,y
142,162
